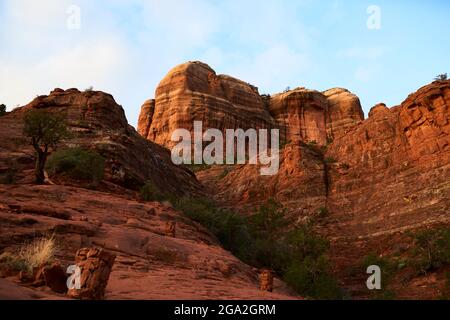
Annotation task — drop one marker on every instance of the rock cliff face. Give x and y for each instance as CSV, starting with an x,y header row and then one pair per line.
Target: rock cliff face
x,y
344,112
150,264
193,91
392,171
298,185
378,178
301,114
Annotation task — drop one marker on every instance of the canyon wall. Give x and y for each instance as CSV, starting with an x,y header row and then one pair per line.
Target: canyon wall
x,y
378,178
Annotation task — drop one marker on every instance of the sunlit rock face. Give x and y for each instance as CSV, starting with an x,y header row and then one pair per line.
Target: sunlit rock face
x,y
194,92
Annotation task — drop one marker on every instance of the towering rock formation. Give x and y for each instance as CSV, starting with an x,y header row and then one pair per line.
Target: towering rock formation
x,y
193,91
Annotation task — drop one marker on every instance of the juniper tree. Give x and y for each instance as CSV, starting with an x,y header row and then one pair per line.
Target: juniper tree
x,y
45,131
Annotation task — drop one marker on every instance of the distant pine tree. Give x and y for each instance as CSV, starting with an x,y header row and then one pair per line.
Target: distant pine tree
x,y
2,109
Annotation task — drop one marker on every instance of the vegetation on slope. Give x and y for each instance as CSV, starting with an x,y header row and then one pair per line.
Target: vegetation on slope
x,y
264,241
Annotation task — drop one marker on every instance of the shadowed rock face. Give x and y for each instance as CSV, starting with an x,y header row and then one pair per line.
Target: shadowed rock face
x,y
97,122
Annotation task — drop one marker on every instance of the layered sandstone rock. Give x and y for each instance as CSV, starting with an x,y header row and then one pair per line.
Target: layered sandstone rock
x,y
380,179
193,91
393,170
146,117
299,183
266,280
344,112
301,113
396,165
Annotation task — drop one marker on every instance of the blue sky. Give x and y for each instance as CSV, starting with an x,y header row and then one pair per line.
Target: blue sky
x,y
126,47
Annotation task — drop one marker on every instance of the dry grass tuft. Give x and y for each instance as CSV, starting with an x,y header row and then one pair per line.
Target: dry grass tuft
x,y
38,253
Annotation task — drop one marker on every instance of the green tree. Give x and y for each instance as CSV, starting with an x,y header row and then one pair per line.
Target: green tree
x,y
45,131
269,221
441,77
2,110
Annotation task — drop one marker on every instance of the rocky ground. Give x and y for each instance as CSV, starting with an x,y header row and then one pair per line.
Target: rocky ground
x,y
149,264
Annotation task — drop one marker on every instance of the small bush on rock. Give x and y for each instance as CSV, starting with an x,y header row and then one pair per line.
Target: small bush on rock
x,y
77,164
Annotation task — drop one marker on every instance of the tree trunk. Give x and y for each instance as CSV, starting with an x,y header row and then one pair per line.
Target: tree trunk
x,y
41,158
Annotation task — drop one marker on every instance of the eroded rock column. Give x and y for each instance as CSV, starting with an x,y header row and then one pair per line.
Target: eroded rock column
x,y
95,266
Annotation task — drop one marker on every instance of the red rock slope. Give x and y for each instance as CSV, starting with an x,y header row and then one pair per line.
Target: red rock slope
x,y
149,265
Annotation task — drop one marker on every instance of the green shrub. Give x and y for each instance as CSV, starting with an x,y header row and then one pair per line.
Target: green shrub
x,y
330,160
323,213
77,164
269,221
224,173
9,177
261,240
308,269
446,290
431,250
310,277
387,266
39,252
45,131
2,110
306,243
441,77
11,262
150,192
